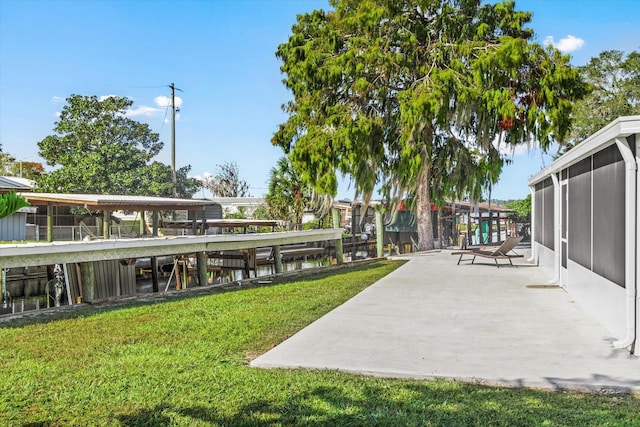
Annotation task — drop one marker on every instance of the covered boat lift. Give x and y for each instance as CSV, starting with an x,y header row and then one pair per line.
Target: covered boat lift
x,y
112,259
106,267
110,203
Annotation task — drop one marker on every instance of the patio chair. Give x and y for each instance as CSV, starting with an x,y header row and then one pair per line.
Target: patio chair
x,y
504,251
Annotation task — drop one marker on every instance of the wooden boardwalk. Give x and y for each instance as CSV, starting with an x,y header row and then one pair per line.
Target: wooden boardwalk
x,y
35,254
100,269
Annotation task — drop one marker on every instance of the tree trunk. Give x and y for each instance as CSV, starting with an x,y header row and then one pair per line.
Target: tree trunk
x,y
423,213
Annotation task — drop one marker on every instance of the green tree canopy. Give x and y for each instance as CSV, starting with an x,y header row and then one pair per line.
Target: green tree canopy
x,y
521,209
156,179
97,149
615,79
415,95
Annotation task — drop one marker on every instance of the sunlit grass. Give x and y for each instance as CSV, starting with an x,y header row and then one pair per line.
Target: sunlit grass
x,y
185,362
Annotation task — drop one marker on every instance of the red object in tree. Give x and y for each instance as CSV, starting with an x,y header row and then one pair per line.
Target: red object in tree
x,y
506,123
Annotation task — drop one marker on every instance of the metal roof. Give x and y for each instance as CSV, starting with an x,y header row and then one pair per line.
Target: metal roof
x,y
239,201
481,206
620,127
116,202
11,183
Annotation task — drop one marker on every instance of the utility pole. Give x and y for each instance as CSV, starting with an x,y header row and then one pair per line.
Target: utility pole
x,y
173,139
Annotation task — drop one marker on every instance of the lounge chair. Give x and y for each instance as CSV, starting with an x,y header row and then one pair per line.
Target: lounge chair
x,y
495,253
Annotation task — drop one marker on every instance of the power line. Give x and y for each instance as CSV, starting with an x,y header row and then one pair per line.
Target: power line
x,y
123,86
142,87
166,110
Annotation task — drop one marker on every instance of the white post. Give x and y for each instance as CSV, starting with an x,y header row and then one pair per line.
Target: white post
x,y
636,346
557,252
629,243
534,250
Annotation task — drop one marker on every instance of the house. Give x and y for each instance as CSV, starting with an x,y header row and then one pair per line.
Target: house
x,y
585,226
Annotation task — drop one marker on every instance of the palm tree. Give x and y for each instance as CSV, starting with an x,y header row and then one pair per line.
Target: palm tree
x,y
287,194
10,203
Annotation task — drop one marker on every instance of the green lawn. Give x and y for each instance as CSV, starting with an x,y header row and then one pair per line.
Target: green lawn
x,y
185,362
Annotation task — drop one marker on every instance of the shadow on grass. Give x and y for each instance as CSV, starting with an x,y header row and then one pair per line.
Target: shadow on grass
x,y
426,403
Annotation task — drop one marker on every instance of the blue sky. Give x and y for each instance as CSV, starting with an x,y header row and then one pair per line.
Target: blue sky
x,y
220,53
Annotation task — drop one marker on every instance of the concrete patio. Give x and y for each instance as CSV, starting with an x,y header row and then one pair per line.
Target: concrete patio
x,y
478,323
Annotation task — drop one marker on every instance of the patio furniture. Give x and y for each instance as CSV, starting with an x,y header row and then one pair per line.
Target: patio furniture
x,y
504,251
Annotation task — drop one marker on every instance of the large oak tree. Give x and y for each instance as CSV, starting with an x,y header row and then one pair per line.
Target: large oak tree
x,y
97,149
414,96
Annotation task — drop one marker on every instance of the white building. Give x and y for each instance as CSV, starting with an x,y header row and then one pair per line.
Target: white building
x,y
585,226
244,205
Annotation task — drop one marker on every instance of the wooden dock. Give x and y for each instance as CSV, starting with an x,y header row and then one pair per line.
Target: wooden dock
x,y
106,268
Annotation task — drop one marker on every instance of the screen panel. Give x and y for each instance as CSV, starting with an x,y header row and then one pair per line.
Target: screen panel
x,y
537,214
563,214
579,212
609,215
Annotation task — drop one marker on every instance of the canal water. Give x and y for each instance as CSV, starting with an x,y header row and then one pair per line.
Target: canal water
x,y
166,282
228,275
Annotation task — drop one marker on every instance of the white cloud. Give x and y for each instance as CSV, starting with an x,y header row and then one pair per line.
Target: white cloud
x,y
565,45
165,101
103,97
205,177
514,150
162,102
143,111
